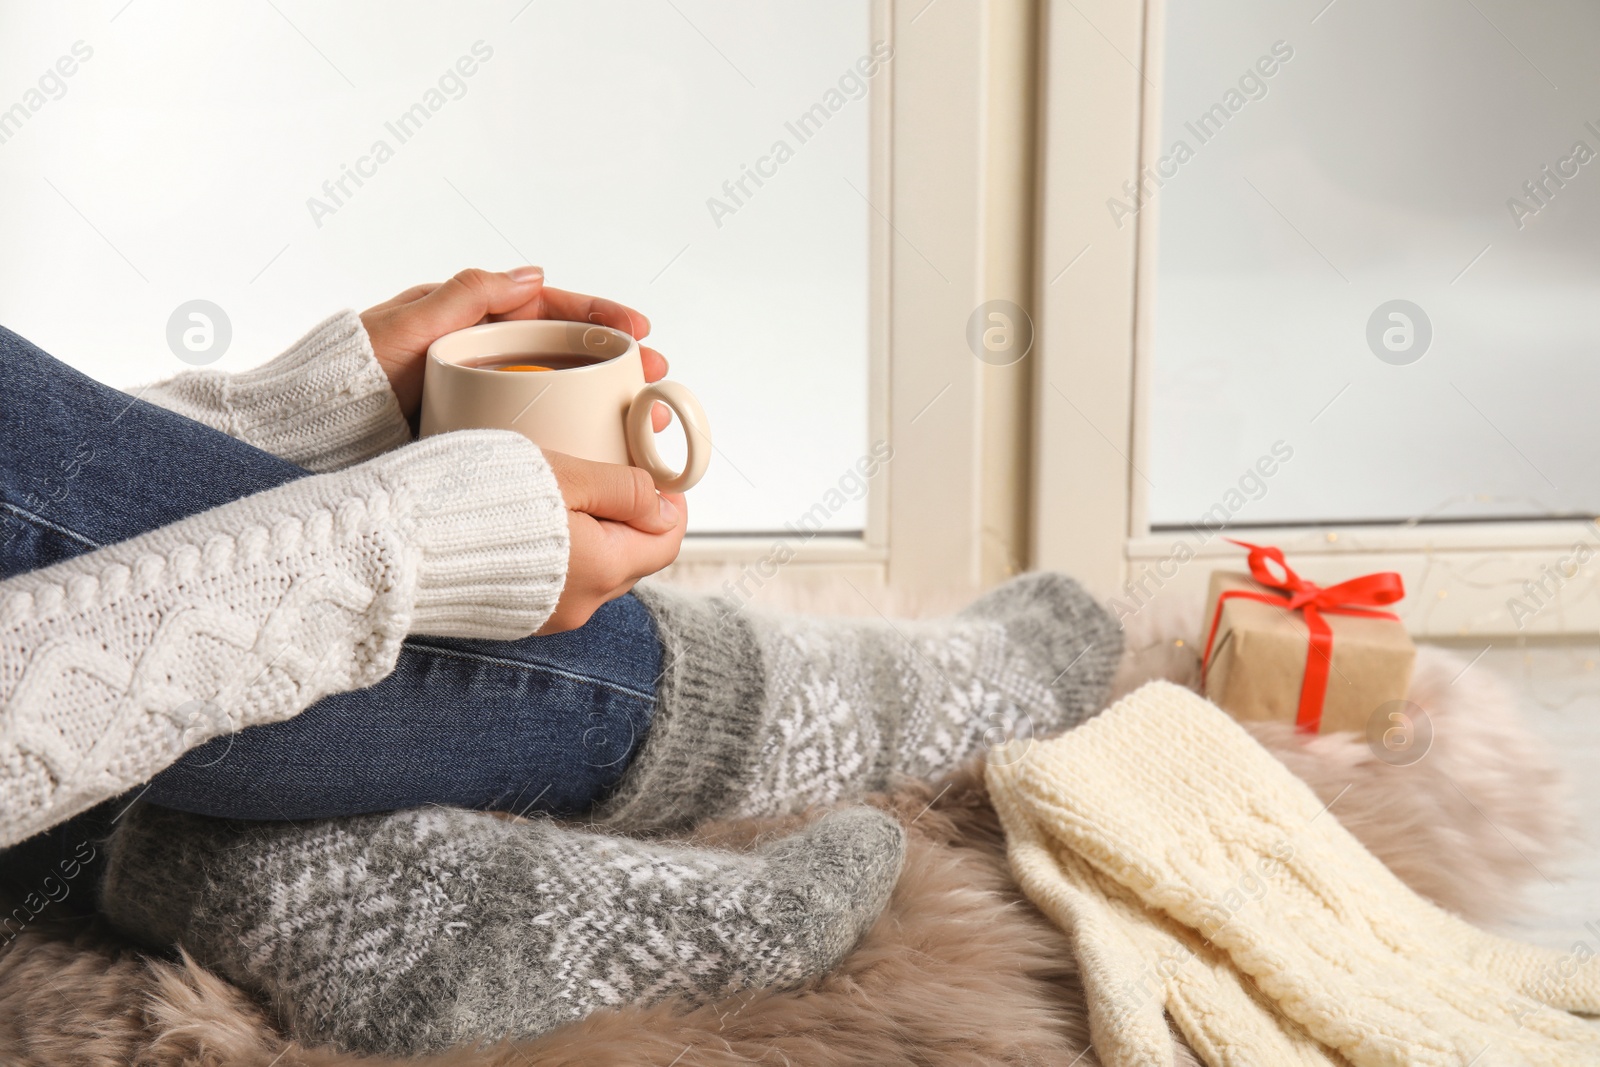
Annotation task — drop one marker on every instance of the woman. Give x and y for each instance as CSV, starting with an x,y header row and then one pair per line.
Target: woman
x,y
265,662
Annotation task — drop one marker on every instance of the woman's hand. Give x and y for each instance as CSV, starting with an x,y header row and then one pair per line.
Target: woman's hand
x,y
620,529
401,329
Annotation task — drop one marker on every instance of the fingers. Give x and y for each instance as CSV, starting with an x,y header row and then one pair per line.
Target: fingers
x,y
465,299
655,364
679,501
621,530
655,369
576,307
513,294
612,491
605,561
640,554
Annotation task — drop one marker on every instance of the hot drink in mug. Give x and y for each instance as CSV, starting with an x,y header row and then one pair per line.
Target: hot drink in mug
x,y
567,386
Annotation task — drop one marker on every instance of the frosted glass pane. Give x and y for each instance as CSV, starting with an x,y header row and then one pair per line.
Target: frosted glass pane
x,y
1387,157
202,150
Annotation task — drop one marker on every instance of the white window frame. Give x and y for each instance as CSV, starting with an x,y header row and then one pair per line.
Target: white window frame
x,y
1094,300
948,232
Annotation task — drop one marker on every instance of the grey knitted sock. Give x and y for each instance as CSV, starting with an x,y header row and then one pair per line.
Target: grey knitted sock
x,y
410,932
762,714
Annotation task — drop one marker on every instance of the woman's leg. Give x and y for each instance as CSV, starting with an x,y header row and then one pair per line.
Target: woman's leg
x,y
410,930
543,724
759,713
416,930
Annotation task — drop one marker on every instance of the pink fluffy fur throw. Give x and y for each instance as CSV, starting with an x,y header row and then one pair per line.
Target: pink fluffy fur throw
x,y
960,970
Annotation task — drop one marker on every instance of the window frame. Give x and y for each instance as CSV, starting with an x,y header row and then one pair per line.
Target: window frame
x,y
946,224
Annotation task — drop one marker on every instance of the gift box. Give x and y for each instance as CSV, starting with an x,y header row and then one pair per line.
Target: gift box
x,y
1282,649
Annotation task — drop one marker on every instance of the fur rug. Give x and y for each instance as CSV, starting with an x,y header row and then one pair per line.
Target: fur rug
x,y
959,971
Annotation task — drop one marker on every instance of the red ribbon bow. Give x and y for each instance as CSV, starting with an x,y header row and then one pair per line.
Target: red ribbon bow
x,y
1358,596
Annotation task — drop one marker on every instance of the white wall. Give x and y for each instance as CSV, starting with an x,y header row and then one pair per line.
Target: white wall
x,y
1378,165
179,159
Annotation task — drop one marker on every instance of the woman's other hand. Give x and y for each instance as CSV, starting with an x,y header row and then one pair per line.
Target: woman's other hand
x,y
621,529
401,329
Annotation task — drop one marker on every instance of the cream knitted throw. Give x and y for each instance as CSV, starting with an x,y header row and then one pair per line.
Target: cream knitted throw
x,y
1195,873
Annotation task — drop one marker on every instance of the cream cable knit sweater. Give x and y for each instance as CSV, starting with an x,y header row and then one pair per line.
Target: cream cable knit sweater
x,y
1161,826
324,404
115,663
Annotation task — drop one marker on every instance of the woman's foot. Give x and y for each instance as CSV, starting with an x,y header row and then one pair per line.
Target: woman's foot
x,y
762,714
414,931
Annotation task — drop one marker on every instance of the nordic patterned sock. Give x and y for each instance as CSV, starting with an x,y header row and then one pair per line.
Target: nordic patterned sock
x,y
413,931
761,714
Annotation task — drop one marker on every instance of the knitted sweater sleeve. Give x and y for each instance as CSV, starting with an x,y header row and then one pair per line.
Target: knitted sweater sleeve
x,y
324,404
116,662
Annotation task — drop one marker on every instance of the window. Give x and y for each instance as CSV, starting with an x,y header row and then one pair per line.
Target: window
x,y
808,200
1385,275
704,162
1331,280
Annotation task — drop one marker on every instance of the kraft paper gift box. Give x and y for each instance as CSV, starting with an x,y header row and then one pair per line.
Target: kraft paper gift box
x,y
1258,660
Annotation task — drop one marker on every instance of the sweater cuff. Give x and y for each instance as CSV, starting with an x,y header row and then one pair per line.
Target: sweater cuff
x,y
325,403
491,525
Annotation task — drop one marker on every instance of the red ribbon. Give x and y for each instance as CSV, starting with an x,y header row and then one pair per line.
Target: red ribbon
x,y
1358,596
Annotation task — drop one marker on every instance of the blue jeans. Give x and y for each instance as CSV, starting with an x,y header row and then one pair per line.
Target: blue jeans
x,y
544,724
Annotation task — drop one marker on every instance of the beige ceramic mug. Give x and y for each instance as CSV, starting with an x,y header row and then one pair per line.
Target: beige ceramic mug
x,y
595,405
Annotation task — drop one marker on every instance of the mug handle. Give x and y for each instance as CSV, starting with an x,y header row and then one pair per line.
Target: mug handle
x,y
696,432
